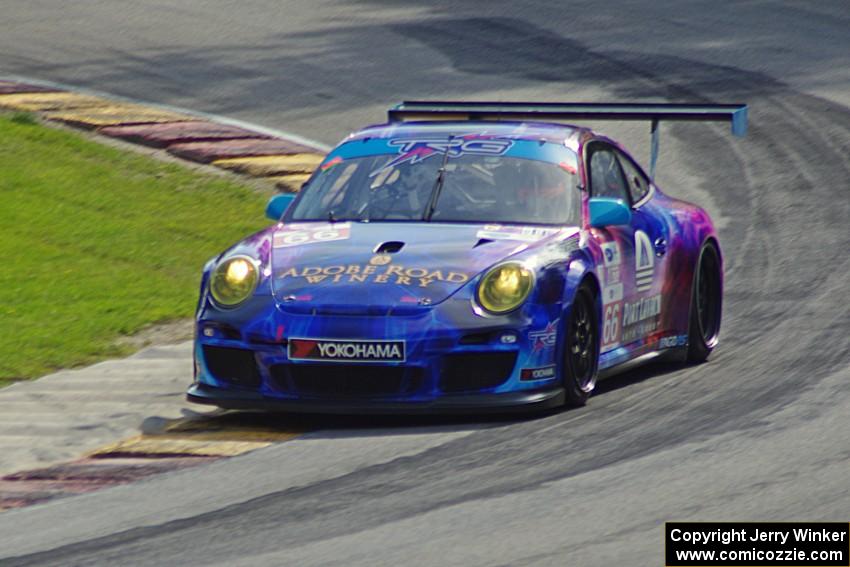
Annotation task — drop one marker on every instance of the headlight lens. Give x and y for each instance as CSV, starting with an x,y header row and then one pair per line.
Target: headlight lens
x,y
233,281
505,287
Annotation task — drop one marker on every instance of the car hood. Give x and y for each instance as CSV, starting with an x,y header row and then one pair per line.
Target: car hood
x,y
355,267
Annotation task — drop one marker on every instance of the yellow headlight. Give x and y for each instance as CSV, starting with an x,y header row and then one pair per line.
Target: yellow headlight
x,y
505,287
233,281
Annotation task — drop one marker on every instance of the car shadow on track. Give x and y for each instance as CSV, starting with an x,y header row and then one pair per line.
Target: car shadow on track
x,y
323,425
636,375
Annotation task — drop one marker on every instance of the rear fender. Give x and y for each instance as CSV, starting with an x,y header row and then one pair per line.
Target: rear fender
x,y
679,285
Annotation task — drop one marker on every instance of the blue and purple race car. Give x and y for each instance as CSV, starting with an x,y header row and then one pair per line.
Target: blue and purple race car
x,y
461,257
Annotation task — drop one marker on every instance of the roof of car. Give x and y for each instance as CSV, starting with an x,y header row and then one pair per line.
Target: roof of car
x,y
534,131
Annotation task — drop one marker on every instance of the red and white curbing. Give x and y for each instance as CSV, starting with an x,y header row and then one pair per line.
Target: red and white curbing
x,y
282,158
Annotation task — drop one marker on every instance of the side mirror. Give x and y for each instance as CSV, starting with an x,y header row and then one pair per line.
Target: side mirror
x,y
605,211
278,205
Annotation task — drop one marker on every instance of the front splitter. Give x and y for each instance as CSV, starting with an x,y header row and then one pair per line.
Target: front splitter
x,y
530,401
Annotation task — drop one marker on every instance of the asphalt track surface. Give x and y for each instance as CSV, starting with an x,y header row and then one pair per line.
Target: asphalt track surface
x,y
760,432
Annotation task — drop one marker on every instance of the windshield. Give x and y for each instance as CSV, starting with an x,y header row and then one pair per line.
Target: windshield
x,y
475,188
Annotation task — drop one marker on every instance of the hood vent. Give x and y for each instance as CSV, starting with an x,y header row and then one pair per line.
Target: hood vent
x,y
389,247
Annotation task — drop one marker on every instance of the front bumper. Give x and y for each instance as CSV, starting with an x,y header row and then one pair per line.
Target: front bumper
x,y
453,361
519,401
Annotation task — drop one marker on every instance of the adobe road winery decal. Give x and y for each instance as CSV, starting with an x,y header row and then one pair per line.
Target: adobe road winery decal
x,y
375,272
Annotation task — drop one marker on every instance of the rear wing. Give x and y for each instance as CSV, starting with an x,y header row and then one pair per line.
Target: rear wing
x,y
654,113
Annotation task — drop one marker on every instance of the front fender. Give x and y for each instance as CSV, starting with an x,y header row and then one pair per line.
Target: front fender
x,y
204,289
581,269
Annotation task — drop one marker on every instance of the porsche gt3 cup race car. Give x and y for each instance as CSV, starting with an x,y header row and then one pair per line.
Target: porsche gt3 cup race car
x,y
463,256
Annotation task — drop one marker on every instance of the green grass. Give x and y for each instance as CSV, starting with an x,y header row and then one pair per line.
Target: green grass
x,y
96,243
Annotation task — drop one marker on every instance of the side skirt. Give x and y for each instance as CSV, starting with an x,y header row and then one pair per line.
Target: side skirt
x,y
630,365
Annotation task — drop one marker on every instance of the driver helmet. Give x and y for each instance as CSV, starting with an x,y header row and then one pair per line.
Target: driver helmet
x,y
416,177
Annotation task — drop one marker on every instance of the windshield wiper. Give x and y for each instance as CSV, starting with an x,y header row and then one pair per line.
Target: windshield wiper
x,y
438,184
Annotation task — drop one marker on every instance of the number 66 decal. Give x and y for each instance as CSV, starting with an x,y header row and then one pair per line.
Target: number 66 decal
x,y
309,235
611,325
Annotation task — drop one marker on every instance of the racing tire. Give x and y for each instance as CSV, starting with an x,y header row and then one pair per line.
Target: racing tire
x,y
706,305
581,348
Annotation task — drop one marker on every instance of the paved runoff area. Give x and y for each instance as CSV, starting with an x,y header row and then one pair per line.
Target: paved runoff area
x,y
118,421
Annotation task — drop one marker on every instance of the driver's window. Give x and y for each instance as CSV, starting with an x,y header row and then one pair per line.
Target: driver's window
x,y
334,188
606,177
638,184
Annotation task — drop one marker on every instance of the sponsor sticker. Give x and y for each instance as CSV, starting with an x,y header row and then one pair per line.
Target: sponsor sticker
x,y
612,293
673,341
543,373
518,233
644,261
639,330
381,260
556,252
612,274
640,318
415,150
611,260
611,252
545,339
329,164
298,234
641,309
568,167
341,350
376,271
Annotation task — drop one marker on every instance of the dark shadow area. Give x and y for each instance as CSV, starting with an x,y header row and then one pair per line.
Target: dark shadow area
x,y
330,425
507,47
654,369
343,68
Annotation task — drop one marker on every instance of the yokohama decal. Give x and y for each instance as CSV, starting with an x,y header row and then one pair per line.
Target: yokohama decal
x,y
347,351
544,373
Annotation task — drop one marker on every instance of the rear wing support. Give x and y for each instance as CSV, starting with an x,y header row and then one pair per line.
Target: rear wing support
x,y
736,114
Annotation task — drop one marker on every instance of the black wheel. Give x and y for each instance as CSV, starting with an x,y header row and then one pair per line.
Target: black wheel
x,y
706,305
581,348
